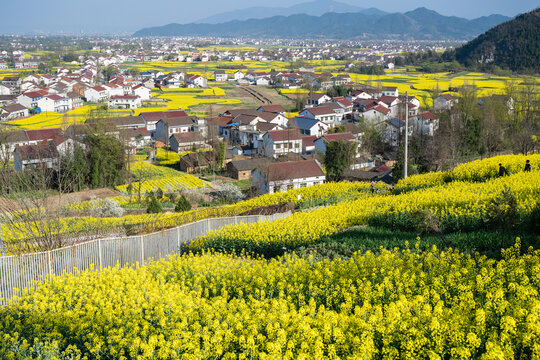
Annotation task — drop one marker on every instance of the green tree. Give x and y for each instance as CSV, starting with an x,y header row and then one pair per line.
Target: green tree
x,y
338,158
154,207
107,161
182,205
69,57
220,155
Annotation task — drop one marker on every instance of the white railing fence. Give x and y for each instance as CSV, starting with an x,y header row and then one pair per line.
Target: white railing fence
x,y
21,271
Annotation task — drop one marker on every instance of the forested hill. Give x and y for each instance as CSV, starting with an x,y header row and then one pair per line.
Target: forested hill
x,y
417,24
513,45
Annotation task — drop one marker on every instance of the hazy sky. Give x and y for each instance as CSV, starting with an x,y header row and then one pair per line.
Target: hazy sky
x,y
126,16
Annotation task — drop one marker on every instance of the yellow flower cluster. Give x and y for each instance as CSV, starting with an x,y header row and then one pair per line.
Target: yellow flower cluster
x,y
166,157
177,183
457,205
151,222
478,170
406,305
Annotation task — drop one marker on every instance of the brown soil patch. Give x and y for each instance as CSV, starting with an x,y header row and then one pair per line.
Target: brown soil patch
x,y
56,201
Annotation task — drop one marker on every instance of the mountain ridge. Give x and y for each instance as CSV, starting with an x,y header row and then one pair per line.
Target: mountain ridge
x,y
421,24
314,8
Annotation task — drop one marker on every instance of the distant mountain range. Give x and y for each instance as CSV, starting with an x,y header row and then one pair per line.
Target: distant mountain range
x,y
513,45
314,8
420,24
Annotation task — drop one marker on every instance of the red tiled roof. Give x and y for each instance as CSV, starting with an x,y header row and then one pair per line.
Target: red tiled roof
x,y
273,108
382,109
54,97
43,134
382,168
347,136
294,170
343,100
43,150
285,135
180,121
387,99
321,110
428,115
35,94
308,140
124,97
158,115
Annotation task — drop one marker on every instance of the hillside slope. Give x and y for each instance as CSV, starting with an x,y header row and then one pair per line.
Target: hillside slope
x,y
513,45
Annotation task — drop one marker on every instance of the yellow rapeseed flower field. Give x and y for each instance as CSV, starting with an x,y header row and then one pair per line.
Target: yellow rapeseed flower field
x,y
398,304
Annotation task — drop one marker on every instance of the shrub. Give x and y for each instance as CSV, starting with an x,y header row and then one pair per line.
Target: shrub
x,y
182,205
106,208
154,207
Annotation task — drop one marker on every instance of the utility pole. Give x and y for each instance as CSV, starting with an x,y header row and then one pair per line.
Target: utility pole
x,y
406,134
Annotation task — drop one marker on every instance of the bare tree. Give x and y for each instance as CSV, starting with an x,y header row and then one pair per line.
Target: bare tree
x,y
32,217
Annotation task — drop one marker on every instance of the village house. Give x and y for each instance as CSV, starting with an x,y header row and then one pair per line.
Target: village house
x,y
188,141
96,94
283,176
123,122
12,81
238,75
320,143
324,114
152,117
220,76
167,127
196,81
309,127
241,169
281,142
341,80
308,144
13,111
444,102
317,99
390,91
274,118
135,138
7,100
75,100
54,103
10,140
5,90
36,136
30,99
391,131
142,91
196,161
43,155
425,124
392,103
278,109
359,94
124,102
375,114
